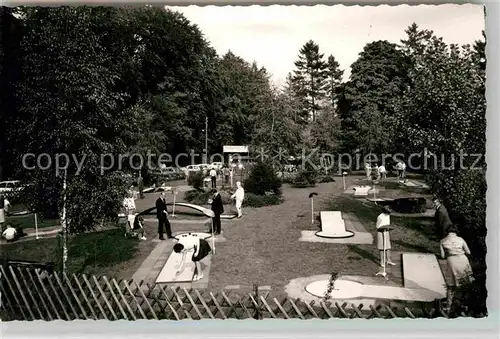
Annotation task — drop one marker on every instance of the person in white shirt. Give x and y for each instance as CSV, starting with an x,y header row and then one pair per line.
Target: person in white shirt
x,y
384,219
4,208
213,177
12,234
129,203
239,195
382,172
368,170
401,167
192,244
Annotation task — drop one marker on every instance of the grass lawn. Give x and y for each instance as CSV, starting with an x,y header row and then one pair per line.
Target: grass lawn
x,y
99,253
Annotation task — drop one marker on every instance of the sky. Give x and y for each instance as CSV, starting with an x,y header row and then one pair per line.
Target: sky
x,y
273,35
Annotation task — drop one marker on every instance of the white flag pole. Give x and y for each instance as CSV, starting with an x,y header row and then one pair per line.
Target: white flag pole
x,y
213,238
174,192
36,227
312,210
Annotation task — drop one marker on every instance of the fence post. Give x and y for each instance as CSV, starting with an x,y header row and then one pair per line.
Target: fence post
x,y
257,314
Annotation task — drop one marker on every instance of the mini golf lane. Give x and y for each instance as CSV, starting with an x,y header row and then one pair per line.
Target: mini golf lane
x,y
333,226
345,289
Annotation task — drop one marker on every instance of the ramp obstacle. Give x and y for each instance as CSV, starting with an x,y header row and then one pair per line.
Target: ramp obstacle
x,y
333,226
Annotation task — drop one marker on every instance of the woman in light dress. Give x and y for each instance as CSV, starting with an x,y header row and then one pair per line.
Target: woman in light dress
x,y
384,219
129,203
455,250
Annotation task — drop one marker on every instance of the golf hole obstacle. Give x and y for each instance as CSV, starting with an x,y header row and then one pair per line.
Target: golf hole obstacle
x,y
333,226
342,289
361,191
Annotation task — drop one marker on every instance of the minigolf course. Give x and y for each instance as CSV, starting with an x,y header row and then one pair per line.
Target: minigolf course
x,y
333,226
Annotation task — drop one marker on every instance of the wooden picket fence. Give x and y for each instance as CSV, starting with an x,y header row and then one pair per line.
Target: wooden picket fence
x,y
29,295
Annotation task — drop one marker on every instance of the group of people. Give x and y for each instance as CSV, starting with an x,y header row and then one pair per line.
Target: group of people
x,y
216,206
453,248
380,172
226,173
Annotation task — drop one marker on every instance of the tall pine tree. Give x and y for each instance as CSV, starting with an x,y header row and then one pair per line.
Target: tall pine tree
x,y
334,81
310,79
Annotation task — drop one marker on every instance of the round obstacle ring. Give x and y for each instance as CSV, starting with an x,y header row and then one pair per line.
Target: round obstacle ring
x,y
342,289
346,234
201,235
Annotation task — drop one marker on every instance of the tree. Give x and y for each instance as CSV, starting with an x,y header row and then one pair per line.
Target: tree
x,y
72,100
276,128
334,81
310,79
247,97
443,111
11,31
378,77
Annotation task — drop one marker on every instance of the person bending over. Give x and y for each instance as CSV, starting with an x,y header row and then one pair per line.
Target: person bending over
x,y
198,248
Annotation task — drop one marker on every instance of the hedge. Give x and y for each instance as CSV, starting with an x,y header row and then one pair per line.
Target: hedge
x,y
254,200
409,205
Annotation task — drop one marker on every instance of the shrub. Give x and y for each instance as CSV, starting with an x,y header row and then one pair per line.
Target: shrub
x,y
325,178
409,205
305,178
470,298
254,200
195,179
262,179
199,197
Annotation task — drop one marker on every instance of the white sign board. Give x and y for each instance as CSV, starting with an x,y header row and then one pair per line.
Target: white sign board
x,y
235,149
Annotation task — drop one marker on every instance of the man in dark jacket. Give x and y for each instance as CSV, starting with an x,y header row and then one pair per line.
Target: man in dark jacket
x,y
218,209
162,215
442,218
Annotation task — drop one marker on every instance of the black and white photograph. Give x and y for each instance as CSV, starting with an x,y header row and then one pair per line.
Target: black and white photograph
x,y
243,162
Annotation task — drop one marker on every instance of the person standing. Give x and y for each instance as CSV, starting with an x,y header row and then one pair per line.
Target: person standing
x,y
231,175
213,177
225,172
368,170
376,172
140,185
129,204
401,168
239,195
218,209
162,215
441,218
4,209
455,250
382,172
384,239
